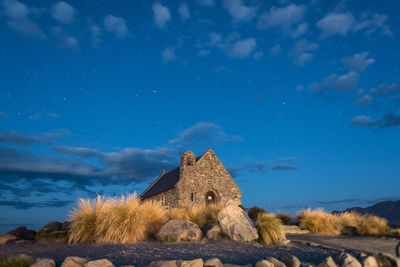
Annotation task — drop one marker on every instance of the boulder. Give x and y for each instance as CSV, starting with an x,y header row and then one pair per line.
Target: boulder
x,y
191,263
264,263
275,262
234,265
73,261
163,264
214,233
6,238
290,260
213,262
369,261
100,263
328,262
346,260
44,262
65,226
51,227
23,233
236,224
179,230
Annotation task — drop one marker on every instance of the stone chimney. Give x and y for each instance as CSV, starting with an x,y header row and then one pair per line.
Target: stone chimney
x,y
188,160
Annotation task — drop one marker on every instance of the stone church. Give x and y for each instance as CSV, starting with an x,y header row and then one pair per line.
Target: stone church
x,y
197,181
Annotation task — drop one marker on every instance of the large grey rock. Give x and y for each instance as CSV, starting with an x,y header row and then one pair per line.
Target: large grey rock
x,y
275,262
213,262
346,260
328,262
214,233
44,263
73,261
6,238
179,230
290,260
100,263
23,233
236,224
264,263
369,261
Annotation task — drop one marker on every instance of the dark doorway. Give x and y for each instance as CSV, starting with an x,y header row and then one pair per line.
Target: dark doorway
x,y
211,198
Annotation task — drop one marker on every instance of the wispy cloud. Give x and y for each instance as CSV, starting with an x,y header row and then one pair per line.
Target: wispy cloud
x,y
116,25
239,11
162,15
63,12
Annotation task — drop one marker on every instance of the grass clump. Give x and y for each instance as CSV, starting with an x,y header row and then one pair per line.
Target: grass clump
x,y
113,220
16,262
254,211
200,215
321,222
269,228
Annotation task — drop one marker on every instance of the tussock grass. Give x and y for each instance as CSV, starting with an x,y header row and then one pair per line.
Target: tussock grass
x,y
269,228
115,220
254,211
200,215
16,262
321,222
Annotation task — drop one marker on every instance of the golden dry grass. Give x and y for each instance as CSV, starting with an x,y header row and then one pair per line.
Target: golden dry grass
x,y
115,220
321,222
200,215
269,228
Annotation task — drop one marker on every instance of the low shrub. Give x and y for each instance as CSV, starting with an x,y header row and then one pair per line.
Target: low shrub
x,y
396,231
254,211
284,217
269,228
16,262
200,215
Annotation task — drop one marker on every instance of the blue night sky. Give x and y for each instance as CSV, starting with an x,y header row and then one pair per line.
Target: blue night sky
x,y
299,100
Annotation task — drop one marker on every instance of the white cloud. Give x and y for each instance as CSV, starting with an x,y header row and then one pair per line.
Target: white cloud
x,y
378,23
184,12
63,12
95,32
302,51
239,11
365,100
71,42
168,54
208,3
243,48
116,25
345,82
18,19
161,15
203,53
275,50
358,62
64,38
365,121
335,23
282,17
258,55
299,30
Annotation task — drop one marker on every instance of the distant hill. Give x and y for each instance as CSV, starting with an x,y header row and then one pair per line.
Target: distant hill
x,y
390,210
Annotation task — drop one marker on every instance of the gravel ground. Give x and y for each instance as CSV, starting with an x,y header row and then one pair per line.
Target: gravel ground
x,y
371,244
145,252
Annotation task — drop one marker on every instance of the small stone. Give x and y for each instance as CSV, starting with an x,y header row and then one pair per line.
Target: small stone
x,y
290,260
275,262
6,238
328,262
100,263
264,263
213,262
73,261
192,263
346,260
23,233
163,264
369,261
234,265
215,232
44,262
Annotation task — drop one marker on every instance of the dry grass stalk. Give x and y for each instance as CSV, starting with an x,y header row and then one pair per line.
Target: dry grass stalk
x,y
269,228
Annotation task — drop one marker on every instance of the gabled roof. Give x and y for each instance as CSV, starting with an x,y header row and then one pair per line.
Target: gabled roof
x,y
163,183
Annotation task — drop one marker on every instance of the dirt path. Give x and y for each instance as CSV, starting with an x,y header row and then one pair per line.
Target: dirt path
x,y
384,245
145,252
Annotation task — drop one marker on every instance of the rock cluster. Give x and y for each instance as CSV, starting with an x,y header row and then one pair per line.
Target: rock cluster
x,y
341,260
